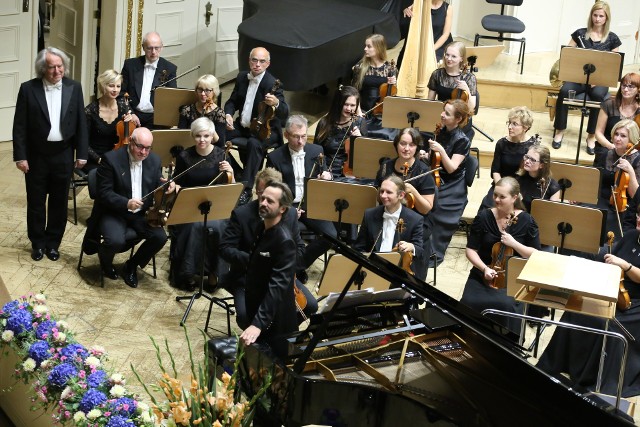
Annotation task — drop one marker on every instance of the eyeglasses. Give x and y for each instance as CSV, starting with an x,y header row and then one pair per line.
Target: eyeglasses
x,y
513,124
256,61
141,147
201,90
298,137
531,159
152,48
628,86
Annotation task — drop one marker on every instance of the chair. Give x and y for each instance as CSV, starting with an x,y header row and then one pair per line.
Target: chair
x,y
90,245
78,180
502,24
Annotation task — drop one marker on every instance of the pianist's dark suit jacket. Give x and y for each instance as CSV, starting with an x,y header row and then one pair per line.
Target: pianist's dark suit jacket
x,y
280,159
372,224
133,74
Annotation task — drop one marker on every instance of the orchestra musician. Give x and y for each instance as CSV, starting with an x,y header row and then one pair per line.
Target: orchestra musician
x,y
296,160
207,91
383,220
49,129
408,144
453,75
577,354
187,245
535,178
625,105
253,87
508,224
453,146
142,74
124,177
103,115
509,150
236,242
338,124
596,36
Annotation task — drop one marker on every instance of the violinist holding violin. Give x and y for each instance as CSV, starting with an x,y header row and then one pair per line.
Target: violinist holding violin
x,y
124,177
186,244
508,226
207,90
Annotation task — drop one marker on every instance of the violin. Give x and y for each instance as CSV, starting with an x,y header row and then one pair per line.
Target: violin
x,y
458,93
624,302
410,198
406,258
158,213
618,198
386,89
261,125
300,299
500,253
346,142
124,128
229,175
436,158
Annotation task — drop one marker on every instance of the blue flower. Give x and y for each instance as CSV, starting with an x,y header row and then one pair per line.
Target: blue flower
x,y
45,328
39,351
74,350
96,379
91,399
118,406
61,374
10,306
20,321
120,421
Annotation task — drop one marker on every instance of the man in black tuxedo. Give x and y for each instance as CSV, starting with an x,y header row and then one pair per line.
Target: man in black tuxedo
x,y
407,238
251,88
124,177
295,161
140,75
49,128
237,240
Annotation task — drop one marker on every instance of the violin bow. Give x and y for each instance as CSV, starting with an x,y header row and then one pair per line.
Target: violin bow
x,y
346,134
169,181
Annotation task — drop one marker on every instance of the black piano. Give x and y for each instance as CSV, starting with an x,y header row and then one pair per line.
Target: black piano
x,y
312,42
390,364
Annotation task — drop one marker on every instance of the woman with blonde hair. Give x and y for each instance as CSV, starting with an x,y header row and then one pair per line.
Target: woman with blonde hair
x,y
207,90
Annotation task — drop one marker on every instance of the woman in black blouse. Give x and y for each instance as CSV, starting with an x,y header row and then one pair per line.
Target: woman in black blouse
x,y
596,36
207,92
506,223
103,115
535,177
187,244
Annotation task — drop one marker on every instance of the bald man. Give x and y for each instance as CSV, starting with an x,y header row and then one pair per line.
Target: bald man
x,y
253,87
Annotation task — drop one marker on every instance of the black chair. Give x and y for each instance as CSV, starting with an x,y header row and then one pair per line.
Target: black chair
x,y
79,179
90,244
502,24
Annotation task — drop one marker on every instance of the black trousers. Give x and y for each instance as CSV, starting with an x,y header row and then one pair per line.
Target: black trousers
x,y
47,183
252,151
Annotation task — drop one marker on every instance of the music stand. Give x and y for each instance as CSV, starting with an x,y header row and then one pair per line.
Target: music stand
x,y
340,268
366,154
164,140
482,56
167,101
400,112
589,67
587,180
194,205
568,226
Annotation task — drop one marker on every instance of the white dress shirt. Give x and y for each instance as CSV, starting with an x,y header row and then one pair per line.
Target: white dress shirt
x,y
254,82
53,94
145,96
297,159
136,180
389,222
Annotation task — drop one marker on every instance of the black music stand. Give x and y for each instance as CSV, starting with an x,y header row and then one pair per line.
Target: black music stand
x,y
588,178
339,201
194,205
589,67
400,112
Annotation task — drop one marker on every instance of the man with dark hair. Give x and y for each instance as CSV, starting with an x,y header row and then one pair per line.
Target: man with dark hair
x,y
49,127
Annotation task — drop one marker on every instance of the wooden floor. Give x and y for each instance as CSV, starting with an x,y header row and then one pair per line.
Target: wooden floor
x,y
122,319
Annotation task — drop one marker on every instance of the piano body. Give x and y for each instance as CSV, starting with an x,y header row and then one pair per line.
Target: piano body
x,y
383,364
312,42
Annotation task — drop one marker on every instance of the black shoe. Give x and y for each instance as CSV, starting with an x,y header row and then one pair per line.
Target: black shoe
x,y
110,272
245,197
52,254
557,144
302,276
37,254
130,275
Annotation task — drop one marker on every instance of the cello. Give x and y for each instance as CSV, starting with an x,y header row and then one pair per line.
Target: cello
x,y
123,128
624,302
500,253
261,125
386,89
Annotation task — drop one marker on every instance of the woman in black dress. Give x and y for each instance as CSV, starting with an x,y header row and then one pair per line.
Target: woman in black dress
x,y
507,155
103,115
207,92
578,353
535,177
453,146
341,121
596,36
187,241
441,21
509,224
625,105
421,190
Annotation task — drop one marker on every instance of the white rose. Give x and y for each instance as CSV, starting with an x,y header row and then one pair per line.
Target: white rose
x,y
29,365
79,416
117,391
142,407
62,325
40,299
92,361
146,417
117,378
62,337
7,336
66,393
40,309
45,364
93,414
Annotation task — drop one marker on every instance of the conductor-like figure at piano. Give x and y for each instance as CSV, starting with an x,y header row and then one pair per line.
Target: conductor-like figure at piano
x,y
252,88
391,226
142,74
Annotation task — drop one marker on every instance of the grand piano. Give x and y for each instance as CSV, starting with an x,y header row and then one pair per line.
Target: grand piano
x,y
313,42
389,364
